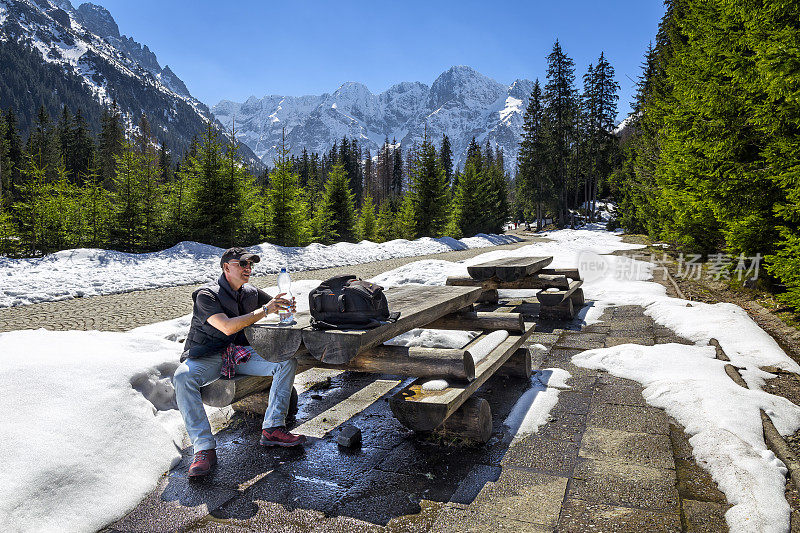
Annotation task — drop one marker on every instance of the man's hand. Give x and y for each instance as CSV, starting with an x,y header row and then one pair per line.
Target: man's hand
x,y
279,303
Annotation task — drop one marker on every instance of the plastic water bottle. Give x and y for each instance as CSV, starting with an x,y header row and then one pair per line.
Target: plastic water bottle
x,y
285,285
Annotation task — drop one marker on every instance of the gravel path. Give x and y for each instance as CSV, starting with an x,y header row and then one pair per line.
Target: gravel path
x,y
121,312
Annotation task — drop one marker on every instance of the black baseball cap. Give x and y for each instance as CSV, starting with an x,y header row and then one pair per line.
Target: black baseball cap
x,y
237,252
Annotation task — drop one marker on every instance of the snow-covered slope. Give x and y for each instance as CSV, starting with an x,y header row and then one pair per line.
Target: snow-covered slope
x,y
86,43
461,103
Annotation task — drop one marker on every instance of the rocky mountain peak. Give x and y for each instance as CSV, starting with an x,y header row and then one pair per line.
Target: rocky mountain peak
x,y
461,83
98,20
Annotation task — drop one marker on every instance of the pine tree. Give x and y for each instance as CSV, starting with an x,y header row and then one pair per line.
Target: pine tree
x,y
43,144
15,160
386,231
112,138
339,204
126,232
366,228
97,208
428,194
287,210
533,181
31,210
560,111
446,158
467,204
397,169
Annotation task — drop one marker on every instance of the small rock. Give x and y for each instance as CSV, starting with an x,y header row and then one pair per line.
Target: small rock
x,y
349,436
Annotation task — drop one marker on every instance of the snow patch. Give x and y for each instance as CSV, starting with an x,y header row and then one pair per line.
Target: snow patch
x,y
722,418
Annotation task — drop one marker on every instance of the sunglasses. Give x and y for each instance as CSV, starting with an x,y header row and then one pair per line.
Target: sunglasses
x,y
243,263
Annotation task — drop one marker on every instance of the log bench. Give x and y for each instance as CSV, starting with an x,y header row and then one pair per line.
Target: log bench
x,y
426,410
560,295
243,393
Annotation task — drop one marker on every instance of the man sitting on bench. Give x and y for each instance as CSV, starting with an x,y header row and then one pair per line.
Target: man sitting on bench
x,y
217,347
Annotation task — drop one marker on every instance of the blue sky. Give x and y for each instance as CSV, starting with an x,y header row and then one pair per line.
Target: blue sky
x,y
236,49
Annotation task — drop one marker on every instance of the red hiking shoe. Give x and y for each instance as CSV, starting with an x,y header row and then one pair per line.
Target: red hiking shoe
x,y
203,461
280,437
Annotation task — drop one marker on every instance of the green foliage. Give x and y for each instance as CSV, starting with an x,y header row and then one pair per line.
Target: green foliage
x,y
367,227
386,217
467,204
286,210
338,206
426,212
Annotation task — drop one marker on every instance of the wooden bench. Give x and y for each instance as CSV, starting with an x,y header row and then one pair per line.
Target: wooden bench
x,y
560,295
426,410
243,393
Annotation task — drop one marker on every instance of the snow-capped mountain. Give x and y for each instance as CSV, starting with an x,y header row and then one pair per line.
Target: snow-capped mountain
x,y
461,103
86,62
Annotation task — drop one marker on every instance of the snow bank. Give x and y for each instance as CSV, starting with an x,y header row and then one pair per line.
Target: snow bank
x,y
723,419
532,410
89,272
80,444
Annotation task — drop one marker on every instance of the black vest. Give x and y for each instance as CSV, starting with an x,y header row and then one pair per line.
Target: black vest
x,y
203,338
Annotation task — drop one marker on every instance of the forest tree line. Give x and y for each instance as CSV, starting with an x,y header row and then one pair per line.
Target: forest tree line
x,y
568,148
66,188
712,161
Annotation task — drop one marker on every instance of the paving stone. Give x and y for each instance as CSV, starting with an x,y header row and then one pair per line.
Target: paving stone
x,y
523,495
630,323
705,517
455,520
264,516
584,341
618,393
563,354
571,401
417,523
616,341
288,491
557,457
695,483
631,418
604,378
581,516
681,449
175,504
596,328
564,426
381,496
626,485
628,310
547,339
632,448
473,484
342,524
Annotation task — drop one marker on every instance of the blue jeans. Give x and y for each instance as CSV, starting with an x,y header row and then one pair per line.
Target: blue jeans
x,y
195,373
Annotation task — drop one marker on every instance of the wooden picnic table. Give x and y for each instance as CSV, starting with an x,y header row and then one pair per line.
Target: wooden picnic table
x,y
419,305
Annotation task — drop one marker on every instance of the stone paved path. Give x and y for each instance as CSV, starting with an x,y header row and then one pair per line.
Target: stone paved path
x,y
605,462
121,312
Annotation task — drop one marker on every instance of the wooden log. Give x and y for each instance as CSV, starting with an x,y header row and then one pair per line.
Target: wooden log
x,y
535,281
563,311
425,410
577,298
480,321
518,365
472,421
257,403
440,363
277,343
509,269
488,297
418,306
224,392
551,297
571,273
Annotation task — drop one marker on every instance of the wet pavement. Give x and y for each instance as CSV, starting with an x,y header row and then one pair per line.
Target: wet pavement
x,y
605,461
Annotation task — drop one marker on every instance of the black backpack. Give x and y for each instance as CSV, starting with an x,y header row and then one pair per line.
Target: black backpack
x,y
346,302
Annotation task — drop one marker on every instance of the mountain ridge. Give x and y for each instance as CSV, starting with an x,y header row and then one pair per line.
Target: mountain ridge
x,y
461,102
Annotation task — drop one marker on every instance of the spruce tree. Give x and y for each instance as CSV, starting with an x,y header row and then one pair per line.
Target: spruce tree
x,y
446,158
366,228
533,181
397,169
560,111
385,230
112,138
467,204
340,204
287,210
428,194
126,233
